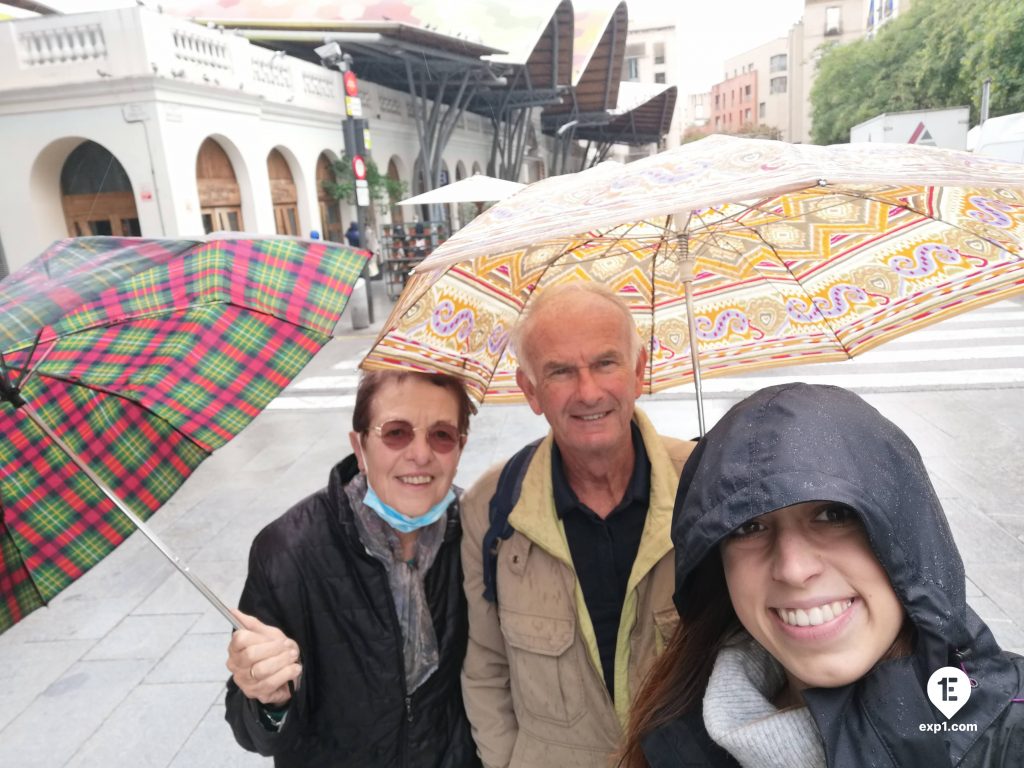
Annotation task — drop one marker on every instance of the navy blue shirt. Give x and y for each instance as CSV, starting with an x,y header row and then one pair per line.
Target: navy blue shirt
x,y
603,551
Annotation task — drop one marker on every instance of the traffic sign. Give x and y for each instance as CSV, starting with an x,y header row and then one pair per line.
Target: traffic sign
x,y
362,193
359,168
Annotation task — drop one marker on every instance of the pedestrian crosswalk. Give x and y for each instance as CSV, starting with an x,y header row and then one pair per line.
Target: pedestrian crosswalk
x,y
981,349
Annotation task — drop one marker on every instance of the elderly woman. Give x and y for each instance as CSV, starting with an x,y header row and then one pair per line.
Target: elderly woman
x,y
354,614
819,589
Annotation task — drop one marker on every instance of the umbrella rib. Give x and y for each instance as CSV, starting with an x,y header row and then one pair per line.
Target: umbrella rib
x,y
798,283
864,196
661,244
757,233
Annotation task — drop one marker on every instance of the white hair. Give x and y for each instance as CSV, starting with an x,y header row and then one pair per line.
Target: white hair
x,y
583,292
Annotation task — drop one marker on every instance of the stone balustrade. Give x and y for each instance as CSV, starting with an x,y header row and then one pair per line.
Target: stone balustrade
x,y
59,50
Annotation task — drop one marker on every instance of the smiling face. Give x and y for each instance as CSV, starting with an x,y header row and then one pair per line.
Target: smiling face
x,y
804,582
414,478
585,379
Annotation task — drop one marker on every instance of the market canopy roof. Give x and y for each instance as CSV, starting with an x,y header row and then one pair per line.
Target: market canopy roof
x,y
643,116
564,55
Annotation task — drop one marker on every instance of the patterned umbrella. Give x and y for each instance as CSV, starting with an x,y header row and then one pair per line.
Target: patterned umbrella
x,y
795,253
125,363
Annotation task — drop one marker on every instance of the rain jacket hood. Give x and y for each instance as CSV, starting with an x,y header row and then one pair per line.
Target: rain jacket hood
x,y
795,443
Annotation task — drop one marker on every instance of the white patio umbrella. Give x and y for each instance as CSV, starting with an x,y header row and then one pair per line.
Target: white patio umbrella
x,y
477,188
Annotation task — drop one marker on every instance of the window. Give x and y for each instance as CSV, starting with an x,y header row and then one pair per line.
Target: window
x,y
777,85
659,77
659,53
778,63
833,20
760,111
746,93
746,115
632,69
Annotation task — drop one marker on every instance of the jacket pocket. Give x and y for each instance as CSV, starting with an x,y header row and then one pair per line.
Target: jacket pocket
x,y
544,666
666,622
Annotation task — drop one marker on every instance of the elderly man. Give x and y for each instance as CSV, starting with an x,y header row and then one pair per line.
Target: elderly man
x,y
584,582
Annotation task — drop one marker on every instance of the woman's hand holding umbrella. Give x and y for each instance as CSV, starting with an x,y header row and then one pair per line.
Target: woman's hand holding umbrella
x,y
263,661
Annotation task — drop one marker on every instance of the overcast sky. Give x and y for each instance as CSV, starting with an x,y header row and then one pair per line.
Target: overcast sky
x,y
713,30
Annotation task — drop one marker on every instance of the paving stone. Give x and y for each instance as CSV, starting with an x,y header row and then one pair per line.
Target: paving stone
x,y
987,609
147,729
74,617
29,668
66,715
196,658
142,637
212,744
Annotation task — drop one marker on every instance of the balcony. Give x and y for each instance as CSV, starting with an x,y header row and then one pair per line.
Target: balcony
x,y
136,42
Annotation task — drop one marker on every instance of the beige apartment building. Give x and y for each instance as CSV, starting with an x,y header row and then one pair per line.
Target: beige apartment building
x,y
780,73
768,69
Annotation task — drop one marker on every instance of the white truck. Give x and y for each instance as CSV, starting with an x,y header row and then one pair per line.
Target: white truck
x,y
1001,137
932,127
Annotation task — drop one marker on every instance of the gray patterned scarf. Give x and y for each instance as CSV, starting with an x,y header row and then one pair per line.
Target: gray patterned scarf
x,y
405,579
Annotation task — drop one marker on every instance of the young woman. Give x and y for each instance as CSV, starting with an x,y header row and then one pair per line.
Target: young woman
x,y
819,588
354,611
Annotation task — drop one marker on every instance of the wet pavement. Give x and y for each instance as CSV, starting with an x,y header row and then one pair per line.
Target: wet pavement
x,y
126,667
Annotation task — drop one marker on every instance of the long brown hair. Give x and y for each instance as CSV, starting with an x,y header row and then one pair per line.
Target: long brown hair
x,y
676,682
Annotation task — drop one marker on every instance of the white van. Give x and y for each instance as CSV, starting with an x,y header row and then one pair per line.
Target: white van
x,y
1000,137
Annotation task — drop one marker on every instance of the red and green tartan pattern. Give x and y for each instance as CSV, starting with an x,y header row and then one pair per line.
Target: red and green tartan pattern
x,y
58,522
293,281
208,371
143,382
71,273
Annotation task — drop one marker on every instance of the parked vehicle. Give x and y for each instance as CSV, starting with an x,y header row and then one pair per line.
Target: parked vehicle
x,y
930,127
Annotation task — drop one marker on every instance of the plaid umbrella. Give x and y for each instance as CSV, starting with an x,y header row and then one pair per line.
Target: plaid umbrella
x,y
733,254
125,363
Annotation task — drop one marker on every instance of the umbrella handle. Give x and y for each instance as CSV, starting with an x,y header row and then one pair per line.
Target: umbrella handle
x,y
137,521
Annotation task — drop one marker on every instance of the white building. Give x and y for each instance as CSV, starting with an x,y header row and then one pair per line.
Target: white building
x,y
652,57
132,122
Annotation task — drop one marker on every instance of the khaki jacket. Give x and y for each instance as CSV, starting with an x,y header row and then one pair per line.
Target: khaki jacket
x,y
532,680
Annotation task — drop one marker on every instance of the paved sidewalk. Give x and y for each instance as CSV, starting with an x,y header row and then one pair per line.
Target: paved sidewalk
x,y
126,667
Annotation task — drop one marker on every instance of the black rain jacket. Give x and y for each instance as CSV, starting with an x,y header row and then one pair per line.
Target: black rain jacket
x,y
311,576
794,443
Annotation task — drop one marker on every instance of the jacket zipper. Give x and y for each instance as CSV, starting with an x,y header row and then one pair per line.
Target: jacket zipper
x,y
397,631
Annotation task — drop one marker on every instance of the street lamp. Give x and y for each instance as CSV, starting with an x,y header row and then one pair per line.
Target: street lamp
x,y
353,135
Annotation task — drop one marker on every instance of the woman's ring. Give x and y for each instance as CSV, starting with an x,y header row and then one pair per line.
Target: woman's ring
x,y
252,674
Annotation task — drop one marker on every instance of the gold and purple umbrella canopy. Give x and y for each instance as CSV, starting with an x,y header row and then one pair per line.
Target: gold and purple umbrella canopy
x,y
799,253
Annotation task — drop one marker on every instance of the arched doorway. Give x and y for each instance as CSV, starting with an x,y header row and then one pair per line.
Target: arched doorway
x,y
96,194
283,194
330,210
220,199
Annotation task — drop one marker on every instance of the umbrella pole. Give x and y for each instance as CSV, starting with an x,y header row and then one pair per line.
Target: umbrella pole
x,y
215,601
686,275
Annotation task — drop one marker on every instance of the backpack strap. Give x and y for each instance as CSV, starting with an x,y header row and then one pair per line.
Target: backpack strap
x,y
510,485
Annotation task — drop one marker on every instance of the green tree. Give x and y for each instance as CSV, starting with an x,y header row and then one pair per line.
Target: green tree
x,y
935,55
382,187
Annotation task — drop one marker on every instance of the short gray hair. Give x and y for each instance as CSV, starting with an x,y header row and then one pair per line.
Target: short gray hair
x,y
574,292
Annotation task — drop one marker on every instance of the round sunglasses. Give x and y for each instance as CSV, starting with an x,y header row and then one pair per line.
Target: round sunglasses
x,y
398,434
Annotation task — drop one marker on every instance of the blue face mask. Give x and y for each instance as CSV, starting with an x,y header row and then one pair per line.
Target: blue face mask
x,y
401,522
